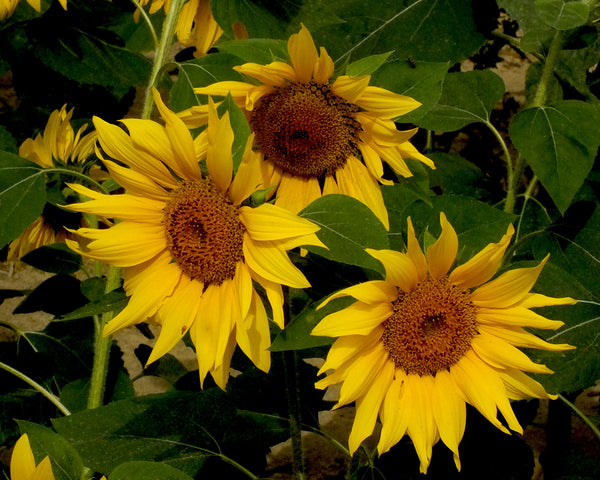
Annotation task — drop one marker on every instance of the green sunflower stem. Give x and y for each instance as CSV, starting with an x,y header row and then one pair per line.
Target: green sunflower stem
x,y
290,364
102,347
161,54
541,95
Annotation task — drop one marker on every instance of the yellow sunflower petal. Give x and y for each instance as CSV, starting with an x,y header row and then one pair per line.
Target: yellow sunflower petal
x,y
508,289
249,176
357,319
449,412
243,288
521,338
346,347
220,373
157,282
408,150
330,186
43,471
534,300
219,159
399,269
303,55
500,354
295,193
123,206
275,73
515,317
118,145
368,406
182,144
204,334
194,117
350,88
253,336
441,255
421,426
395,412
176,317
124,244
482,266
274,296
151,137
371,293
385,103
372,162
238,90
272,263
382,131
478,383
362,374
520,386
135,182
268,222
353,179
393,158
22,462
324,67
415,253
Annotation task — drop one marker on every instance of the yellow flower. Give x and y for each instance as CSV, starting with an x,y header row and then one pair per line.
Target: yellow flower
x,y
189,249
22,463
312,132
196,27
416,347
58,146
7,7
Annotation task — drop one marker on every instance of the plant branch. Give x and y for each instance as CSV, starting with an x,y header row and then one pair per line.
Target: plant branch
x,y
146,18
581,415
45,392
161,54
102,347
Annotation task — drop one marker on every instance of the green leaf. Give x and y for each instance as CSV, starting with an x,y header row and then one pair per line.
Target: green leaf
x,y
367,65
259,21
240,127
55,258
22,195
422,81
559,142
455,175
113,301
179,429
66,463
423,30
561,14
476,223
345,237
147,471
7,141
87,58
467,97
200,72
296,335
257,50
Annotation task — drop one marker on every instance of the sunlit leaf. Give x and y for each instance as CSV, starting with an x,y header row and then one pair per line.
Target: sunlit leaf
x,y
296,335
66,463
22,195
422,81
561,14
146,470
256,50
559,142
467,97
367,65
345,237
199,73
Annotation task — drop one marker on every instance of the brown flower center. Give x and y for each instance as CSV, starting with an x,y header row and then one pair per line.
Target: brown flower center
x,y
204,232
305,129
431,327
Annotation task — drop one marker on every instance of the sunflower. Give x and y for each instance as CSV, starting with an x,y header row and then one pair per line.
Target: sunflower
x,y
7,7
196,27
22,463
189,249
416,347
313,133
58,146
